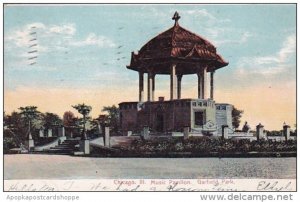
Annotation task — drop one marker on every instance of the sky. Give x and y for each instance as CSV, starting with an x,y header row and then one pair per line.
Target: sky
x,y
81,54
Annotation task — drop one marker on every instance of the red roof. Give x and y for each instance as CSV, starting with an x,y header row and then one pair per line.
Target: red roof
x,y
188,50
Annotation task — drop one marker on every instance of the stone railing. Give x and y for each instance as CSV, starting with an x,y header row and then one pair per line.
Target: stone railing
x,y
54,143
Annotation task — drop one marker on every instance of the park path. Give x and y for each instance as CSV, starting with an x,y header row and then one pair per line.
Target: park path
x,y
40,166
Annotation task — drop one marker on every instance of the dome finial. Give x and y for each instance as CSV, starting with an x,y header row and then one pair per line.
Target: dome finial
x,y
176,17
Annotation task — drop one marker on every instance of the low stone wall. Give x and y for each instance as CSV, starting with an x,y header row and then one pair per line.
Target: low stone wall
x,y
280,138
115,141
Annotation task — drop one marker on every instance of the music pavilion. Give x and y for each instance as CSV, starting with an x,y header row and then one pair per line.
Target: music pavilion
x,y
176,52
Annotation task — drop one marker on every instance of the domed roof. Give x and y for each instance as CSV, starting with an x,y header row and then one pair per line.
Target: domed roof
x,y
189,51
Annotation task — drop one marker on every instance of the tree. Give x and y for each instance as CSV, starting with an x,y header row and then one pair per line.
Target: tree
x,y
101,120
71,124
51,119
84,110
29,114
14,131
18,126
236,117
69,119
113,116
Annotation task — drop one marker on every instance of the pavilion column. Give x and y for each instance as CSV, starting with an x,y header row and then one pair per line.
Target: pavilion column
x,y
141,86
201,83
153,88
173,82
200,77
179,77
212,85
150,86
204,83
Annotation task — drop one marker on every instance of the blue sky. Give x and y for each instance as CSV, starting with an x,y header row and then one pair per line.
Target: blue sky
x,y
88,47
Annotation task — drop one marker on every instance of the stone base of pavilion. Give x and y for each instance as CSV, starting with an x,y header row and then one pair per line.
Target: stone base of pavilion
x,y
171,117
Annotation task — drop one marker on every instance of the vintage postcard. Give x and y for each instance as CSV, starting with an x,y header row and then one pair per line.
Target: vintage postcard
x,y
150,97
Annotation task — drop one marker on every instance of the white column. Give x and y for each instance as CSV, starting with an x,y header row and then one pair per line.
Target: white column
x,y
62,135
173,82
150,88
179,77
141,87
153,87
49,132
41,133
106,137
212,85
204,83
85,146
63,131
199,75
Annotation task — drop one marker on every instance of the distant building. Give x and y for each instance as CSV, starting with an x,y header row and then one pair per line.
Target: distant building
x,y
176,52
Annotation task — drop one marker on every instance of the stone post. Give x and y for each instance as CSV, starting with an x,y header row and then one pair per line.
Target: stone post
x,y
286,132
186,131
129,133
41,133
49,132
30,142
62,135
141,87
85,146
61,132
259,131
173,82
107,137
145,132
224,132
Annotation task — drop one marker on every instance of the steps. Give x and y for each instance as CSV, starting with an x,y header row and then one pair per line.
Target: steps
x,y
66,147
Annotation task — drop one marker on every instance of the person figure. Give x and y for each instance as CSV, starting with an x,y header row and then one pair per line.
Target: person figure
x,y
246,127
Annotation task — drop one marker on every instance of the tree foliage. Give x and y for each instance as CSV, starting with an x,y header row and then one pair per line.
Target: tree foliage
x,y
84,110
69,119
29,113
101,121
17,126
51,120
236,117
15,130
112,118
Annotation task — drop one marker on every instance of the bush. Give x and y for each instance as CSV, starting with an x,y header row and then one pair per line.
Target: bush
x,y
206,145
